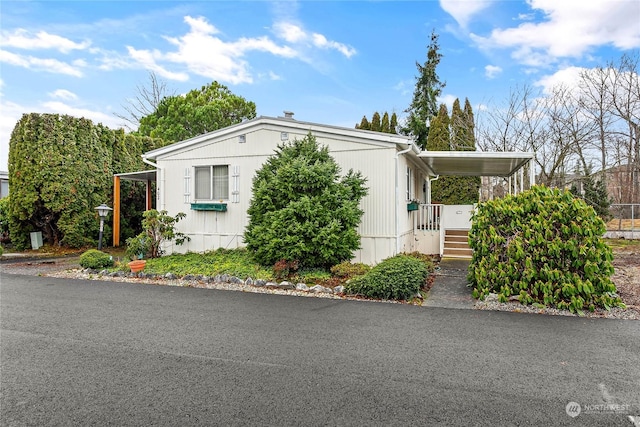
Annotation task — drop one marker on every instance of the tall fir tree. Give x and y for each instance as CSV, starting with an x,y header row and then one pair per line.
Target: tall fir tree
x,y
439,134
393,124
384,127
378,124
364,124
424,106
375,122
470,128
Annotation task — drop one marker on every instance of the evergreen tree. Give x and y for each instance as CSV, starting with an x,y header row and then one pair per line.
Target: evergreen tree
x,y
364,124
470,126
302,210
424,106
61,168
210,108
385,123
375,122
595,194
439,134
393,125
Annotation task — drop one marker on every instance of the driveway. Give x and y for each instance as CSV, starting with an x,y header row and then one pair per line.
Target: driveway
x,y
77,352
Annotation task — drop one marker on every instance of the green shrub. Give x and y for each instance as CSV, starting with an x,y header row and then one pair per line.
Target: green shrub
x,y
302,209
347,270
95,259
546,247
158,227
1,250
399,277
427,259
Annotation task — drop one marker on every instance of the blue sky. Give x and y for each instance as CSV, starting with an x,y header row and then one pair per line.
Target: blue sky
x,y
328,62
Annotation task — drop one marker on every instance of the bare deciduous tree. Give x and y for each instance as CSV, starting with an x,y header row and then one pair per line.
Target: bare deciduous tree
x,y
144,102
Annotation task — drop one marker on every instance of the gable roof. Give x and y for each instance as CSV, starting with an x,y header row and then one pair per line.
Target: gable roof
x,y
285,124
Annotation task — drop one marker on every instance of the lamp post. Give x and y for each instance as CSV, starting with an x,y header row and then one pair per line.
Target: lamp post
x,y
103,212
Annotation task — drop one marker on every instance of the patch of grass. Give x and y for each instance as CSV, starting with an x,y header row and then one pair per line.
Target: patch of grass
x,y
623,243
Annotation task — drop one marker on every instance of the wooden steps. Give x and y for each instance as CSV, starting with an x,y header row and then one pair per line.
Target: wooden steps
x,y
456,244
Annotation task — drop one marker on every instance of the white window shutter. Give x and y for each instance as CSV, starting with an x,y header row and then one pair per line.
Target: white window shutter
x,y
235,190
187,185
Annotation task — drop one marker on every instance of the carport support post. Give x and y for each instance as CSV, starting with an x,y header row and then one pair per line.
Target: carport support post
x,y
116,211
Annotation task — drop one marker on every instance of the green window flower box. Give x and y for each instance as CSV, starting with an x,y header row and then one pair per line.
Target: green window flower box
x,y
216,207
413,206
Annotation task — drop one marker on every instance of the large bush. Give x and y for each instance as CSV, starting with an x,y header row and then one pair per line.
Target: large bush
x,y
302,210
399,277
546,247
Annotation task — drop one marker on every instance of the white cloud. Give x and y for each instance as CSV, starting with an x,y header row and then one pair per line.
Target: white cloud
x,y
274,76
295,34
63,94
321,41
567,77
491,71
290,32
148,58
205,54
463,10
42,64
23,39
569,30
448,100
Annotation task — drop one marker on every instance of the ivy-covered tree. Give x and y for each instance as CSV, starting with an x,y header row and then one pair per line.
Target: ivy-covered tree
x,y
302,209
462,189
424,106
59,170
210,108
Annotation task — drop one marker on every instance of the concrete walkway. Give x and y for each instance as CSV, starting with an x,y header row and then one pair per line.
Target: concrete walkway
x,y
450,288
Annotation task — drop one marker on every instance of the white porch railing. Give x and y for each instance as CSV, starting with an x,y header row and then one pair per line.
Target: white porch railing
x,y
427,218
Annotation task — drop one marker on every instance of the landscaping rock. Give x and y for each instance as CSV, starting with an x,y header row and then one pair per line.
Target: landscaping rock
x,y
286,285
249,281
260,282
188,277
321,289
338,289
302,287
170,276
271,285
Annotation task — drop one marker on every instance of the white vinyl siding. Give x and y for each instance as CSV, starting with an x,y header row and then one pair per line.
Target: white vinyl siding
x,y
212,182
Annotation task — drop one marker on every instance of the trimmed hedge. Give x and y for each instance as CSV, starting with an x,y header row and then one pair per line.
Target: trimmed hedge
x,y
95,259
546,247
399,278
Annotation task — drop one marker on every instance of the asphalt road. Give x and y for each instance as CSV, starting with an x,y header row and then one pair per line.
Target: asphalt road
x,y
85,353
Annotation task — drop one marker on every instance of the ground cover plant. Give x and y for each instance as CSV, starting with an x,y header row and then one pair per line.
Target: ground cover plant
x,y
545,247
399,278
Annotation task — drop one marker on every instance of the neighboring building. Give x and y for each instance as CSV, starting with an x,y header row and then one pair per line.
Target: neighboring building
x,y
209,177
623,184
4,184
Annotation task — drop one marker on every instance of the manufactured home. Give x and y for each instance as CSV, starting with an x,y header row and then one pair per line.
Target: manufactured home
x,y
209,177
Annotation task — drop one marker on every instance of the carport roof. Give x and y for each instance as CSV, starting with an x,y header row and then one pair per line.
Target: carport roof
x,y
138,176
474,163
